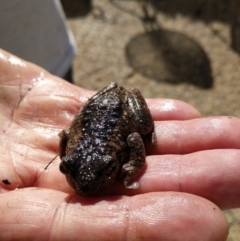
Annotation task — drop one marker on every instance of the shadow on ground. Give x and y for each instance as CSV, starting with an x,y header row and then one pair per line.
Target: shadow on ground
x,y
169,56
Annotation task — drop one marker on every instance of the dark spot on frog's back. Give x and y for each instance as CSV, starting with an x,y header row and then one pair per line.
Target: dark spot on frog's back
x,y
106,139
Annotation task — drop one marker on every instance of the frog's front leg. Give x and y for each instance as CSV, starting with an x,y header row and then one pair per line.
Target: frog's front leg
x,y
132,169
142,115
64,136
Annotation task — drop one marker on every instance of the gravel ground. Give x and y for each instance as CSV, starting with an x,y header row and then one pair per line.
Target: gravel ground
x,y
179,51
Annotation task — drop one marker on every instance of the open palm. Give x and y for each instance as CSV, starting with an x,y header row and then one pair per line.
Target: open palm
x,y
195,160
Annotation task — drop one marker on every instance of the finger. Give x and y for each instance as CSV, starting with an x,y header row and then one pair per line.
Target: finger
x,y
30,213
167,109
50,98
180,137
32,77
173,137
213,174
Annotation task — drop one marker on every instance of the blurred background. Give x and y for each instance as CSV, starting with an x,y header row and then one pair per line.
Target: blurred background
x,y
182,49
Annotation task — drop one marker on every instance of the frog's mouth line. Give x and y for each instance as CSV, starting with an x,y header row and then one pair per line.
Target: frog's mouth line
x,y
100,184
70,182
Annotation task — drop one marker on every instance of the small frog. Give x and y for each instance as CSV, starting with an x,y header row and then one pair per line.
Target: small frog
x,y
106,138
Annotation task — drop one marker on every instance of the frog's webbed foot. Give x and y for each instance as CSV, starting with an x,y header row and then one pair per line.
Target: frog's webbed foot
x,y
64,136
132,169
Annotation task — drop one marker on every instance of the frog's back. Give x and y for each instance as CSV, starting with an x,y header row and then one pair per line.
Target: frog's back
x,y
101,124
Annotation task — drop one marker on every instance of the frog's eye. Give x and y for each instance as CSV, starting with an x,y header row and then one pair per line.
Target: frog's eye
x,y
63,169
111,168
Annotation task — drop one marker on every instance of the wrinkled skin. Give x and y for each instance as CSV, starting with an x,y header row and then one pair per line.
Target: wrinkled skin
x,y
106,137
193,172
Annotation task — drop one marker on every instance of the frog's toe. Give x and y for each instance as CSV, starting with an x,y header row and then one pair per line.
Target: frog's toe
x,y
134,185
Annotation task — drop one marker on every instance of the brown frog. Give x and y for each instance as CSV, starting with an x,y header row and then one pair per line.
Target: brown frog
x,y
105,139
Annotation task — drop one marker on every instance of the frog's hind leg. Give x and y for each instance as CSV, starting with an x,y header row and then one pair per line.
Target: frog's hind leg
x,y
143,118
133,168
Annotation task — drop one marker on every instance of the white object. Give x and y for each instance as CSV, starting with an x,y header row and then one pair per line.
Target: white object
x,y
35,30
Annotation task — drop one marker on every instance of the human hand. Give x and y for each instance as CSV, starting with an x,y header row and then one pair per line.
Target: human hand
x,y
195,159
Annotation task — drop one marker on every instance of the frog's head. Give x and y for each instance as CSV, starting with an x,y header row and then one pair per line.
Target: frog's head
x,y
89,175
